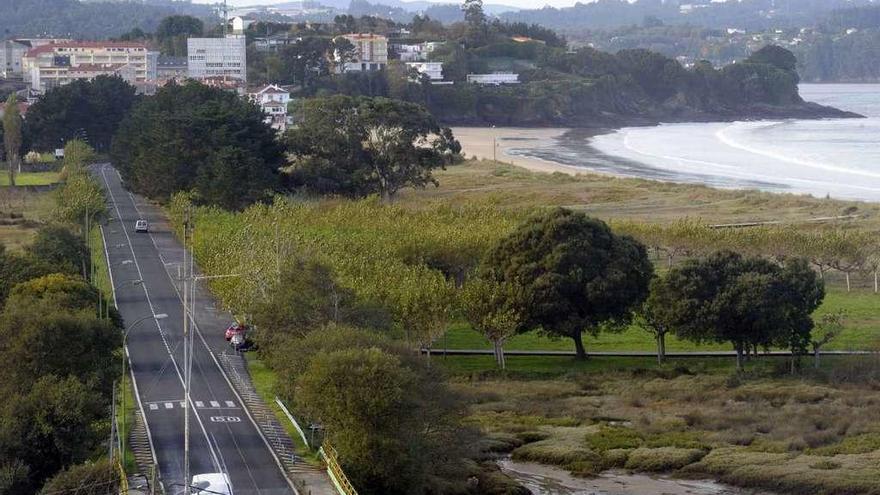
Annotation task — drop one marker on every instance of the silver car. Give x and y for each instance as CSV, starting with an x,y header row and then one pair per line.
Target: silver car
x,y
141,226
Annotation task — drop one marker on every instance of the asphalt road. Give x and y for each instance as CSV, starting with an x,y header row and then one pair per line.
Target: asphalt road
x,y
223,438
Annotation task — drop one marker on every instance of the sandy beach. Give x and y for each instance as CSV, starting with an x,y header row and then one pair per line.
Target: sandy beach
x,y
478,141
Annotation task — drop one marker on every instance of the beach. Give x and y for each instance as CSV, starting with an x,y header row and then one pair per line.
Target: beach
x,y
478,142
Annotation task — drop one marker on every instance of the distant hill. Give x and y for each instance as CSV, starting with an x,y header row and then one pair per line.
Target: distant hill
x,y
73,18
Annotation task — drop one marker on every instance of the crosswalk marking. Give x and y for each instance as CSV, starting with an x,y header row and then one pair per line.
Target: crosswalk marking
x,y
214,403
229,403
200,403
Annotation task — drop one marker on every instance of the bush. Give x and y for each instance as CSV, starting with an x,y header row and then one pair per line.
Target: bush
x,y
92,478
614,437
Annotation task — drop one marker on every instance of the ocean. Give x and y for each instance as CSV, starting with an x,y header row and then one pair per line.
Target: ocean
x,y
839,158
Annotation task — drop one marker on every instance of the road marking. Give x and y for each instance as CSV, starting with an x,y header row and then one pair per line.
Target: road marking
x,y
225,419
229,403
154,407
182,404
200,403
169,405
214,403
214,457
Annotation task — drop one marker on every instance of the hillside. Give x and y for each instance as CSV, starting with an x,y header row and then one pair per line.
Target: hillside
x,y
75,19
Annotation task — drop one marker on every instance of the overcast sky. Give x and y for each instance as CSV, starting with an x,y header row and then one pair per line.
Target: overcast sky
x,y
526,4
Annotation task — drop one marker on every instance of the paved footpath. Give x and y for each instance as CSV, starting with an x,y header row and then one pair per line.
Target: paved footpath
x,y
225,436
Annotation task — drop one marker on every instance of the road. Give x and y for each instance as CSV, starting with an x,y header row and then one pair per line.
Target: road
x,y
223,438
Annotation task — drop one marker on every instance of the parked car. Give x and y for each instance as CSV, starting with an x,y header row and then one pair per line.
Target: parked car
x,y
141,226
236,335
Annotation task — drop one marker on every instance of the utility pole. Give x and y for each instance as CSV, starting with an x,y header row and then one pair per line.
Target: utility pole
x,y
186,355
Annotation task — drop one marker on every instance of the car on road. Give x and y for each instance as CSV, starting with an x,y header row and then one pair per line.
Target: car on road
x,y
141,226
211,483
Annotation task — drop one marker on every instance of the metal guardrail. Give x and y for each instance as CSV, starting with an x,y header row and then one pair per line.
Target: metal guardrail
x,y
123,478
328,453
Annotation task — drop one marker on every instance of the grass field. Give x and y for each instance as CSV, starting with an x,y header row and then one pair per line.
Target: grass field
x,y
31,178
619,198
862,332
21,212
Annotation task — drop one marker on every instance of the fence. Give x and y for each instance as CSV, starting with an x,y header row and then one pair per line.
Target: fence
x,y
328,453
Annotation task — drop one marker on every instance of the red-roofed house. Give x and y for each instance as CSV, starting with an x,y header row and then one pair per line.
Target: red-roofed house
x,y
52,65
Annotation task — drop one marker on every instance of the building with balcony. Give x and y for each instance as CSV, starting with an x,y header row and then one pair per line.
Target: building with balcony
x,y
494,78
370,53
56,64
273,101
217,57
434,70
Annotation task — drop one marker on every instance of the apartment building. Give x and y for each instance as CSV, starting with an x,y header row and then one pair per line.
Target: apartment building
x,y
434,70
56,64
217,58
371,53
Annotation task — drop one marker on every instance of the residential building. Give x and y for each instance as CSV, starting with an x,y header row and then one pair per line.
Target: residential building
x,y
495,78
56,64
414,52
240,25
273,100
11,53
370,53
274,42
434,70
217,57
171,68
152,66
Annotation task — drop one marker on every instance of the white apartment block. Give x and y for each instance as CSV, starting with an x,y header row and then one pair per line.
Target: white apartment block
x,y
434,70
11,53
415,52
495,78
371,53
52,65
217,58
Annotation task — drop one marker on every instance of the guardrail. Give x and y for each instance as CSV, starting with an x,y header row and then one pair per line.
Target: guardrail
x,y
290,417
123,478
328,453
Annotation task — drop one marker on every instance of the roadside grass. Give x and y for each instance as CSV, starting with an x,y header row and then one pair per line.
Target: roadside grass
x,y
862,331
128,460
625,198
32,178
264,380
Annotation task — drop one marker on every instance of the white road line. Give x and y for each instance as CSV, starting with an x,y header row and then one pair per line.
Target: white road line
x,y
216,363
150,304
214,403
154,407
200,403
229,403
182,404
169,405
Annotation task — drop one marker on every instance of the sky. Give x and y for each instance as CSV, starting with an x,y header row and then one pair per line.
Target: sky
x,y
525,4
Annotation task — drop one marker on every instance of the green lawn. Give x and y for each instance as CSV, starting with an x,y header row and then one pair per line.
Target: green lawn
x,y
31,178
862,332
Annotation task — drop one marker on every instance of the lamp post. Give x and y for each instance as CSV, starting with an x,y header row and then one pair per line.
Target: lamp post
x,y
160,316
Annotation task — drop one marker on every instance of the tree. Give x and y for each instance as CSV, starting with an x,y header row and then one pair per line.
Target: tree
x,y
476,21
422,304
80,199
53,340
83,109
344,52
652,316
748,302
173,32
576,274
493,309
194,137
307,297
61,248
90,478
357,146
829,327
16,268
50,425
12,135
392,422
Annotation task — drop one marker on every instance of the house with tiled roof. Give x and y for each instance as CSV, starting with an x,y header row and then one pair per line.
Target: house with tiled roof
x,y
273,100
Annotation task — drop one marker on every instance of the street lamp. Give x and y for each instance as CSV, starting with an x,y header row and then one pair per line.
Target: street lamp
x,y
160,316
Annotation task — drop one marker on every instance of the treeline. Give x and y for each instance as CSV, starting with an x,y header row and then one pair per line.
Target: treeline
x,y
88,20
60,353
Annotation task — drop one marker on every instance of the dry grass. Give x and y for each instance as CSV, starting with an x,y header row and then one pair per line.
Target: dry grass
x,y
611,197
776,433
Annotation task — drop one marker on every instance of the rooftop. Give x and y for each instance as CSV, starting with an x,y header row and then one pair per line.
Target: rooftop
x,y
83,44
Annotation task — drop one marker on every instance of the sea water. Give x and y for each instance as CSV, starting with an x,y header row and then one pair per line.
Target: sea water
x,y
839,158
